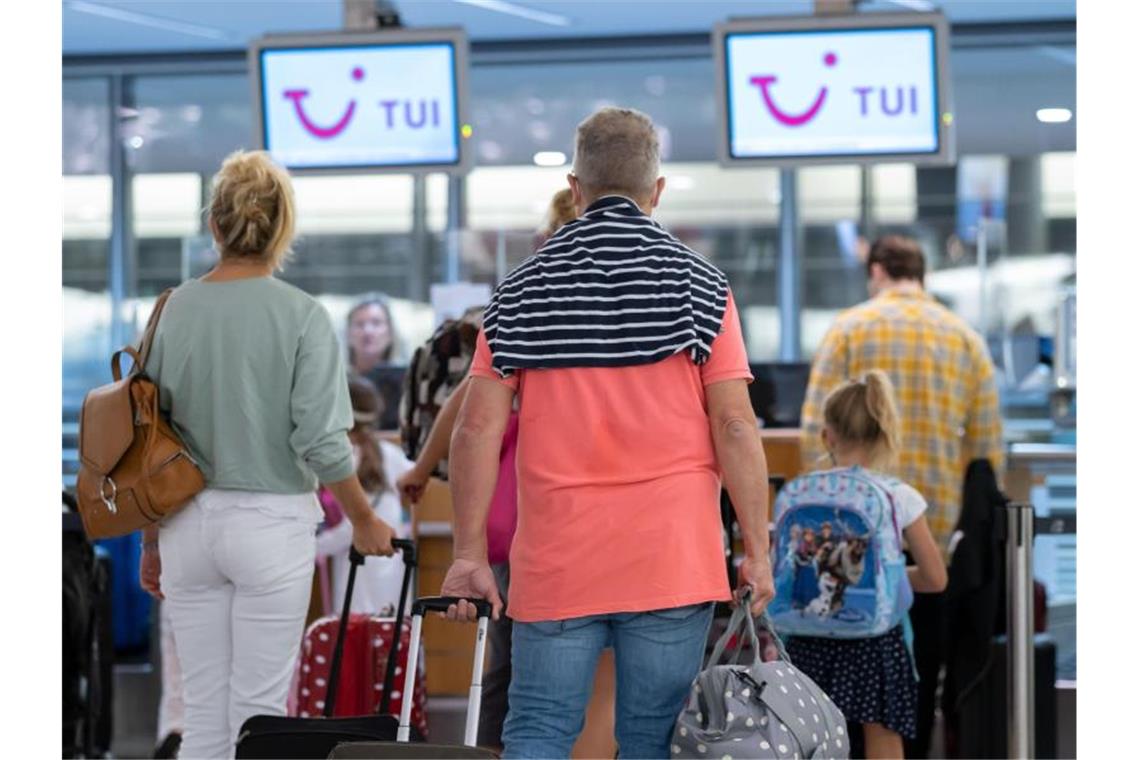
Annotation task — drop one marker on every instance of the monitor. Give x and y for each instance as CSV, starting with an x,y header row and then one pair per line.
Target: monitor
x,y
777,392
362,101
834,89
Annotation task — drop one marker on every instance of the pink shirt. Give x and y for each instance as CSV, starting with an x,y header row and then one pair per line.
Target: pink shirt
x,y
618,484
504,507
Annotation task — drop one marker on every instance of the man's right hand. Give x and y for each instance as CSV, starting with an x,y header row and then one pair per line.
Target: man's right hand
x,y
757,573
373,536
474,580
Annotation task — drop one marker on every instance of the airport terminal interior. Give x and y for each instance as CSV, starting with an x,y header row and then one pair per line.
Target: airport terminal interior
x,y
156,94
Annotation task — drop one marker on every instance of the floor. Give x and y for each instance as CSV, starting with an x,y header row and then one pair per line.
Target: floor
x,y
137,691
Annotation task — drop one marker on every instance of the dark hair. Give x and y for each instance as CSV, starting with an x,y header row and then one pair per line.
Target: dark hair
x,y
382,302
367,409
900,256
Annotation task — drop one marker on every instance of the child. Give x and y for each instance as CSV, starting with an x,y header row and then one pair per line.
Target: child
x,y
873,680
378,465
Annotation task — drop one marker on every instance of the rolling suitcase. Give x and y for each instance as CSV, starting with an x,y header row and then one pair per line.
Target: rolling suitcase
x,y
87,644
350,750
132,606
368,645
276,736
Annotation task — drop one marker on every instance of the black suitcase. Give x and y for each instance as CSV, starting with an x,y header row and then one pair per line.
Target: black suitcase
x,y
277,736
359,750
88,649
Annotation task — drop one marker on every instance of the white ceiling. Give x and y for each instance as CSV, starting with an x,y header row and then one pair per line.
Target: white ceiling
x,y
109,27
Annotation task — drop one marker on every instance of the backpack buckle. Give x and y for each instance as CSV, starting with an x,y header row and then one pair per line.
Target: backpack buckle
x,y
109,501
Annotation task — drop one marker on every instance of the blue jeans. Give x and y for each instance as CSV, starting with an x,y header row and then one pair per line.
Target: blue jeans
x,y
657,656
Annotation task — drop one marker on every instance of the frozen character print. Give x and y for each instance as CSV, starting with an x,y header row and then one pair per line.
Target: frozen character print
x,y
846,563
805,580
824,543
821,606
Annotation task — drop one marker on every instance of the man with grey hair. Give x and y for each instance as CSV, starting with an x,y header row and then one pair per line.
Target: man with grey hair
x,y
624,350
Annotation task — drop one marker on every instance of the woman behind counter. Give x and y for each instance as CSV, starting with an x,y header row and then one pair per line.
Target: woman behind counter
x,y
371,337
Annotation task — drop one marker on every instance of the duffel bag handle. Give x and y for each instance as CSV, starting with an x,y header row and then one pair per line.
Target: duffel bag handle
x,y
765,622
742,621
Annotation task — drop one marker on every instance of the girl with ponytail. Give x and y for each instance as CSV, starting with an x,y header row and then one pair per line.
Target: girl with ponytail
x,y
872,680
378,466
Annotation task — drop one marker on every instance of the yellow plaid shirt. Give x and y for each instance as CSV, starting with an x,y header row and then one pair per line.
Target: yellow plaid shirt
x,y
944,382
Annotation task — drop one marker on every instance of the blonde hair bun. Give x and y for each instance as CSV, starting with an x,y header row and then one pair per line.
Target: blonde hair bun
x,y
252,208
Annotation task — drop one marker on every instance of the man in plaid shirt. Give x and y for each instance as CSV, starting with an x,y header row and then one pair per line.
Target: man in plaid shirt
x,y
947,399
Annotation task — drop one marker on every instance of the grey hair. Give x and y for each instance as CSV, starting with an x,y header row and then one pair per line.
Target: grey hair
x,y
617,151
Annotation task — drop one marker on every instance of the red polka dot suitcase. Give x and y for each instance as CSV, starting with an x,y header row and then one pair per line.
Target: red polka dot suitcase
x,y
367,646
356,650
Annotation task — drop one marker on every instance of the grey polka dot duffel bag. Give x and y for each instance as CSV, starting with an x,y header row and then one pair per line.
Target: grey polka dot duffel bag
x,y
762,710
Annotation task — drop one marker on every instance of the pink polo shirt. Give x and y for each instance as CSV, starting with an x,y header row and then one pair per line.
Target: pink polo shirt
x,y
618,484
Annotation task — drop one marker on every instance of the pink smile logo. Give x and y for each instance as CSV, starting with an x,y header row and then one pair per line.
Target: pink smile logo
x,y
791,119
324,133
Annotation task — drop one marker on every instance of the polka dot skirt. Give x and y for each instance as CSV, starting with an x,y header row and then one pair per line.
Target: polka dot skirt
x,y
870,680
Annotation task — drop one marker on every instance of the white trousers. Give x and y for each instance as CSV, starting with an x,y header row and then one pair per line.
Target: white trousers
x,y
237,571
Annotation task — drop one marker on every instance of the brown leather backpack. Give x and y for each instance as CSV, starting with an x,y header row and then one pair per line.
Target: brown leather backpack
x,y
134,470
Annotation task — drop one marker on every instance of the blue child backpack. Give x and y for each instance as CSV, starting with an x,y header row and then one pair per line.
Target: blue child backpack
x,y
837,557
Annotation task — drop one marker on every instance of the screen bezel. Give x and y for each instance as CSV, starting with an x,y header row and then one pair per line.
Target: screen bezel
x,y
456,37
847,23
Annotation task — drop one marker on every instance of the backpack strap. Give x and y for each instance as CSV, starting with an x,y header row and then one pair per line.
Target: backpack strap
x,y
894,516
148,333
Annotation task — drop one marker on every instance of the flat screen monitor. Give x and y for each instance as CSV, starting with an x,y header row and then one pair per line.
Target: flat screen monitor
x,y
777,392
362,102
834,89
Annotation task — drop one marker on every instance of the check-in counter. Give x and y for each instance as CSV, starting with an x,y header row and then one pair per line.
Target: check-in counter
x,y
1029,464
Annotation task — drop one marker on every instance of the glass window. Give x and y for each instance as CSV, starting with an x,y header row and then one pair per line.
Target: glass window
x,y
86,126
520,110
894,193
85,252
1059,183
354,204
180,123
829,200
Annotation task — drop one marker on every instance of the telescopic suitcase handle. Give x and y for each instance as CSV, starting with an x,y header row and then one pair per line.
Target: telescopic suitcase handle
x,y
407,549
441,604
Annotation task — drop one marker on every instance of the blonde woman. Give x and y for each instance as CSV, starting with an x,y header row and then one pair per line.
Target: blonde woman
x,y
250,372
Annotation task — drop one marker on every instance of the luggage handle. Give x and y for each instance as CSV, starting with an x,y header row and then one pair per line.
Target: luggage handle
x,y
407,549
442,603
742,622
474,697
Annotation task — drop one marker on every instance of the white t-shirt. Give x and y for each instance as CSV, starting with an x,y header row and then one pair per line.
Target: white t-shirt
x,y
378,579
909,504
